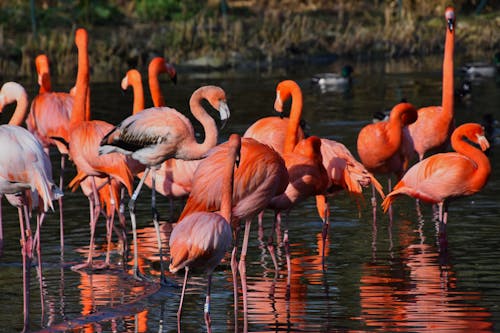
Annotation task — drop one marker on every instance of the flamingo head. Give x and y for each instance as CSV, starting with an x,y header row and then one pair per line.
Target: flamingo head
x,y
472,133
450,18
132,76
284,91
81,37
160,65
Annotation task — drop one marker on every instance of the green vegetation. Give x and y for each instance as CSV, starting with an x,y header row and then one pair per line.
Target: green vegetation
x,y
127,34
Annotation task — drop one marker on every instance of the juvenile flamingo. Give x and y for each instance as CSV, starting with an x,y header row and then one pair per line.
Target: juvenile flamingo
x,y
25,175
432,129
49,117
84,140
201,239
384,147
159,133
445,176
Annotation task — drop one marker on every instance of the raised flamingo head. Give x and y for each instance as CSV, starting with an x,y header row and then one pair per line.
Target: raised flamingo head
x,y
160,65
449,14
132,76
284,91
81,37
42,69
471,132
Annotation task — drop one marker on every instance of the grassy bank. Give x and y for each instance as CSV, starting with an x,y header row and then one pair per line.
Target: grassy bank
x,y
246,34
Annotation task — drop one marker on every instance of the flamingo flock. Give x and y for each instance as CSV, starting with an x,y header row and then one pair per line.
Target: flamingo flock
x,y
273,166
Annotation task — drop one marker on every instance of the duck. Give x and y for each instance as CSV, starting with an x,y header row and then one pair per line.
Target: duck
x,y
334,81
482,69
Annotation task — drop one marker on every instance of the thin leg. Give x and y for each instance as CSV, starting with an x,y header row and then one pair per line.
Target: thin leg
x,y
156,223
270,242
179,311
242,265
234,271
60,201
208,321
288,259
131,208
110,222
324,231
26,253
1,227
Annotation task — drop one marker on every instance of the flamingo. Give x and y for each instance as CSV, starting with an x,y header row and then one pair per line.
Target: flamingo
x,y
344,170
159,133
445,176
174,176
49,117
260,176
435,124
84,139
25,175
201,239
384,146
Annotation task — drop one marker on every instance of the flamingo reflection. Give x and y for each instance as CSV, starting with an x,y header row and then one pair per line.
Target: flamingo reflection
x,y
421,295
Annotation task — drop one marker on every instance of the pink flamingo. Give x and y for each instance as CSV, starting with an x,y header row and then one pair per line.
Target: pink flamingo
x,y
25,176
159,133
49,117
435,124
156,66
384,147
201,239
445,176
260,176
84,140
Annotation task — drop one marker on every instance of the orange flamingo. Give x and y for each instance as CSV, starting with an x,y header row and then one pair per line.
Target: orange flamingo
x,y
435,124
156,66
84,140
157,134
201,239
384,147
49,117
442,177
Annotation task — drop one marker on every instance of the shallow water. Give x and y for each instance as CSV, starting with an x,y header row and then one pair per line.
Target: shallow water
x,y
379,276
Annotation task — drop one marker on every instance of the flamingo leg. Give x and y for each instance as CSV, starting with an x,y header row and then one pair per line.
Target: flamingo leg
x,y
179,311
234,271
109,223
60,201
207,305
288,259
156,223
26,244
131,208
270,242
326,226
242,265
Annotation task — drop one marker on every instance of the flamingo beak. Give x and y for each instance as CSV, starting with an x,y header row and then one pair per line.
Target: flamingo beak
x,y
124,83
174,78
483,142
278,104
224,112
451,24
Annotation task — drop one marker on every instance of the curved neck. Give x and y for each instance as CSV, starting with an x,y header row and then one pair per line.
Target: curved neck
x,y
208,123
295,115
448,82
19,95
483,170
80,112
154,70
134,79
394,131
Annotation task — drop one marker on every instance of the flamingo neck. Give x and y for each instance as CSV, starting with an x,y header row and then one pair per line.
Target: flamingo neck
x,y
21,111
136,83
154,86
394,131
80,112
197,150
44,82
448,82
482,162
295,115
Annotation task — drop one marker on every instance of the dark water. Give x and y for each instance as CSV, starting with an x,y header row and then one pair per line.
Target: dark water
x,y
379,277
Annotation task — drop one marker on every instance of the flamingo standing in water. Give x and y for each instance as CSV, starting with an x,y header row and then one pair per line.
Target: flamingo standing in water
x,y
435,124
260,176
201,239
344,171
84,140
384,146
25,176
445,176
159,133
49,117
